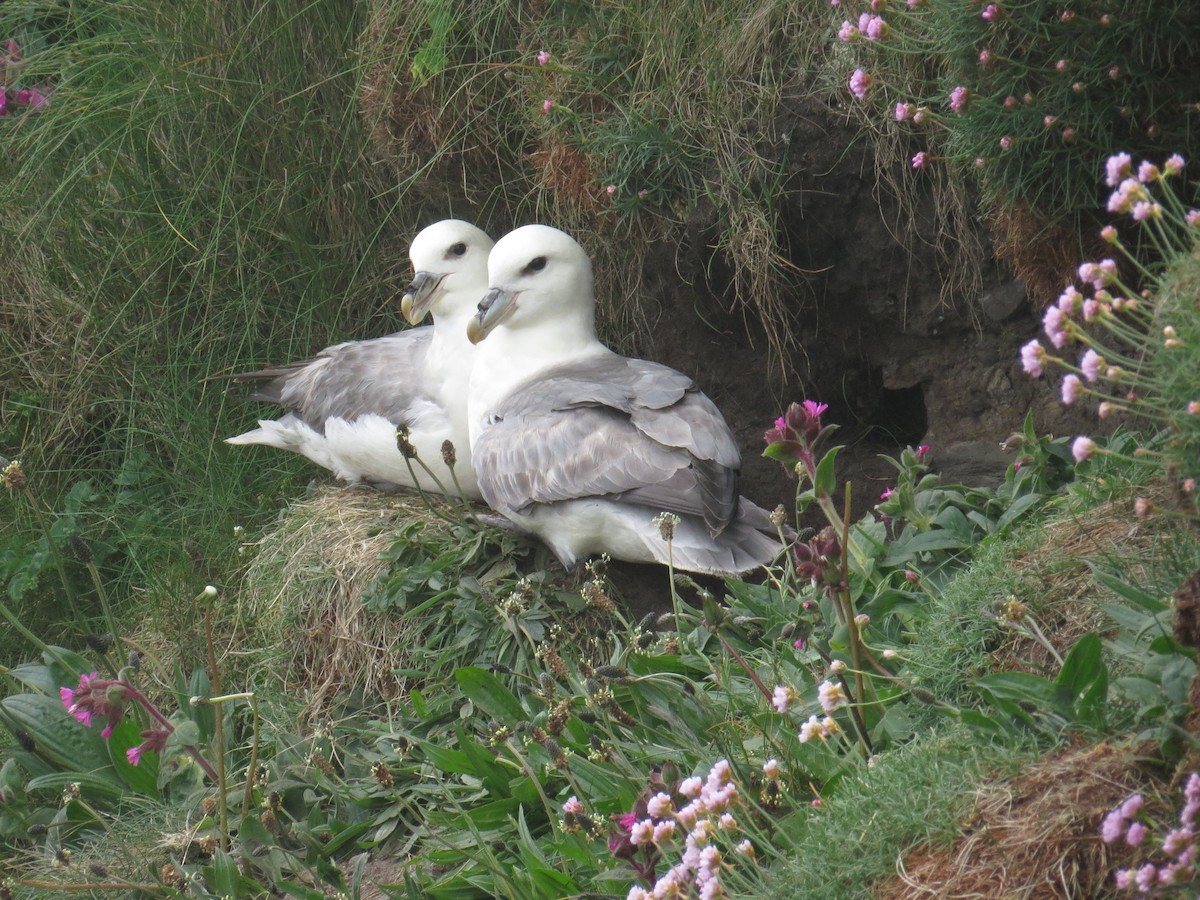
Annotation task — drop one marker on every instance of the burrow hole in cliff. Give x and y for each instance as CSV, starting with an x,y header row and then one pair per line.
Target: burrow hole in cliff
x,y
900,418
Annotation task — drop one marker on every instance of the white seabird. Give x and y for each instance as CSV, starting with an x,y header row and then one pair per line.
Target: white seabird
x,y
345,406
585,448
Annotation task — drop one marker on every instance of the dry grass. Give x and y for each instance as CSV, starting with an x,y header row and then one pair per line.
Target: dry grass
x,y
1035,836
1042,256
303,592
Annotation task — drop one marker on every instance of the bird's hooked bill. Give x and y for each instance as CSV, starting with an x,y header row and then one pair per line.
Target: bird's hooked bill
x,y
420,295
496,306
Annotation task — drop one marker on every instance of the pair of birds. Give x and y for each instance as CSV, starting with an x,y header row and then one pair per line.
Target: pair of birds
x,y
568,440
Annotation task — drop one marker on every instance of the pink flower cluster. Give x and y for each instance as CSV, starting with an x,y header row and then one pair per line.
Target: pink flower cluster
x,y
99,698
34,97
1179,844
704,812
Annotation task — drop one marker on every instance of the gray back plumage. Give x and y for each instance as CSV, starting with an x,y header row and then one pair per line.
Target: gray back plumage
x,y
382,376
610,427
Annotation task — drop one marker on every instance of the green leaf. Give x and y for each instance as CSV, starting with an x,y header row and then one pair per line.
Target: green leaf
x,y
58,738
143,777
487,692
1133,594
1083,665
825,481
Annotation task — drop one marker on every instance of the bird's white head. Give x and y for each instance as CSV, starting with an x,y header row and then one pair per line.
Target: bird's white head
x,y
449,259
535,274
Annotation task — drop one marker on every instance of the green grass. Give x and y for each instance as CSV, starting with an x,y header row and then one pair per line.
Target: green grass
x,y
917,795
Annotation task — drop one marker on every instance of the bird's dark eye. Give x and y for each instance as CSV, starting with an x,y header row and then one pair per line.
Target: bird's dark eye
x,y
458,249
536,264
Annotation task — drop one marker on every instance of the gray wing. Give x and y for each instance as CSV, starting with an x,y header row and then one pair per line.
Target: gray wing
x,y
381,376
613,427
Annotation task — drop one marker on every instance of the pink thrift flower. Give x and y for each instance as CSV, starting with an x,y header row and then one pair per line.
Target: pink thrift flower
x,y
920,160
1176,840
1090,365
1054,322
985,56
1192,217
543,57
1133,805
664,831
848,33
990,13
1174,164
1117,169
771,769
1083,448
920,114
1146,877
690,787
660,805
610,189
642,832
1033,358
1062,65
1108,234
876,29
1145,209
547,106
1047,121
782,697
915,4
1147,172
1112,827
1070,299
1071,387
860,83
1136,834
1006,142
959,98
1193,407
904,111
830,695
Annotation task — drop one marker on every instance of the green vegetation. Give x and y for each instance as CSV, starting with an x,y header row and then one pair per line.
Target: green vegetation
x,y
382,690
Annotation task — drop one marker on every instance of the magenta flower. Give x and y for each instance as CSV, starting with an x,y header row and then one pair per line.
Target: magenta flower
x,y
922,450
799,427
860,83
1033,358
153,741
990,13
1083,448
887,493
959,98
